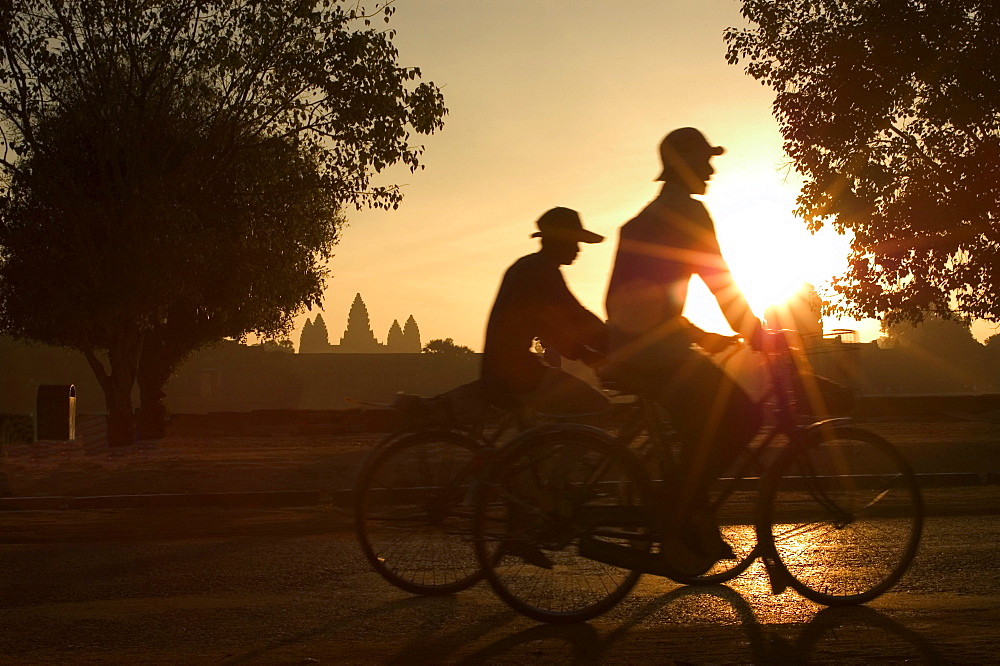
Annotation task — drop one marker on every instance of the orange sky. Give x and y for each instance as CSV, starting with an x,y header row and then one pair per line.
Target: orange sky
x,y
562,103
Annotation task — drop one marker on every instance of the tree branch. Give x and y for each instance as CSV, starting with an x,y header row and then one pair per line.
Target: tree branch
x,y
911,141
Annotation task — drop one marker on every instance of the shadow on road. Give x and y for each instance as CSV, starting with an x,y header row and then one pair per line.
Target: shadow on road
x,y
837,634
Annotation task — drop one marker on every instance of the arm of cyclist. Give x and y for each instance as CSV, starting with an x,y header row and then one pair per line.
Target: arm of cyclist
x,y
576,334
717,277
713,343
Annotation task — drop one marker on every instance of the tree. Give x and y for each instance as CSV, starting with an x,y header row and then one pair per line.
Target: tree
x,y
173,172
228,294
992,353
284,345
447,347
945,345
801,312
944,338
891,111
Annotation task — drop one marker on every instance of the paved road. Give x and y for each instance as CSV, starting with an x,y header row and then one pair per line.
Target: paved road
x,y
231,586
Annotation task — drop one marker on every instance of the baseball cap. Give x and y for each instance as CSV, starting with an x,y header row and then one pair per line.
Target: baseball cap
x,y
685,144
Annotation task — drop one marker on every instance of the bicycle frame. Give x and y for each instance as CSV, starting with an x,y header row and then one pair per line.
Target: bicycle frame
x,y
749,468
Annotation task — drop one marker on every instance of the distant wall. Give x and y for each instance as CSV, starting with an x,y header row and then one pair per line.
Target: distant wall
x,y
246,380
233,377
907,371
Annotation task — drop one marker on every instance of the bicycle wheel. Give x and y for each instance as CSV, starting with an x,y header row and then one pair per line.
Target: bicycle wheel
x,y
545,496
732,507
842,515
413,512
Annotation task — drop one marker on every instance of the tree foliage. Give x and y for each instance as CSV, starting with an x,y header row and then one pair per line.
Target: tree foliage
x,y
174,171
944,337
283,345
801,312
447,347
891,111
947,345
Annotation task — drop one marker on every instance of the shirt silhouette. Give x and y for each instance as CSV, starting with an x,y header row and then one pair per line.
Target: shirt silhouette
x,y
533,302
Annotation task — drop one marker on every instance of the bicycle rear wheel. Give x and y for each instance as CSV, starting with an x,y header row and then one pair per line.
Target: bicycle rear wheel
x,y
842,514
541,500
413,512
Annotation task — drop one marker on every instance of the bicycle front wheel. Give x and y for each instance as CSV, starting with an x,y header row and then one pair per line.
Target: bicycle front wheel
x,y
413,512
545,500
842,515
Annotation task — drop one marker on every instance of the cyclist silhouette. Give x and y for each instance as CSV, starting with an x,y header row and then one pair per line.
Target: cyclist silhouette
x,y
533,302
653,345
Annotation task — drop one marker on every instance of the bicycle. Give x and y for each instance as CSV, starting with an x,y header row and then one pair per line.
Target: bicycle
x,y
411,501
566,519
412,498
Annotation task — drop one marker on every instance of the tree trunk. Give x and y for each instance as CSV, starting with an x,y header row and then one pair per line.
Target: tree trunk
x,y
156,365
118,380
151,419
164,348
121,418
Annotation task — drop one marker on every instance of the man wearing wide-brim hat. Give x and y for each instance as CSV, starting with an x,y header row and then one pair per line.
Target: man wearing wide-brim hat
x,y
533,302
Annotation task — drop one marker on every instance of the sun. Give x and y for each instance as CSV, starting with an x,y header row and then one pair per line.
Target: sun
x,y
770,253
771,288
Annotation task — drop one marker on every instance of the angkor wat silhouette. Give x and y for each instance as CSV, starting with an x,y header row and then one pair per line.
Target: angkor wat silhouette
x,y
358,337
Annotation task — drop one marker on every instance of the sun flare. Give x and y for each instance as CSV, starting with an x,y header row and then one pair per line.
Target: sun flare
x,y
770,252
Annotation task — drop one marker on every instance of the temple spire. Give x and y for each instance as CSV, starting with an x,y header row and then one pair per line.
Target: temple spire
x,y
411,336
358,336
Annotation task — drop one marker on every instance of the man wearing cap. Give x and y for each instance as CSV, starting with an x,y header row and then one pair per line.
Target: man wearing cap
x,y
534,303
653,346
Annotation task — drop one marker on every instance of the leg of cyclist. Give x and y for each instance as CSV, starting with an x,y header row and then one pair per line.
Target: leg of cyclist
x,y
715,419
561,393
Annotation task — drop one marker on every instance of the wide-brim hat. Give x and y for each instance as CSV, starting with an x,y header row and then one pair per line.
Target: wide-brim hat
x,y
564,224
683,146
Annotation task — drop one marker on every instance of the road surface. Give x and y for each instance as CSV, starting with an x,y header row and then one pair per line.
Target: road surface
x,y
278,586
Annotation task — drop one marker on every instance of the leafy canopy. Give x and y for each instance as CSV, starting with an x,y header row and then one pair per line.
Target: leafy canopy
x,y
188,159
447,347
174,171
891,111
